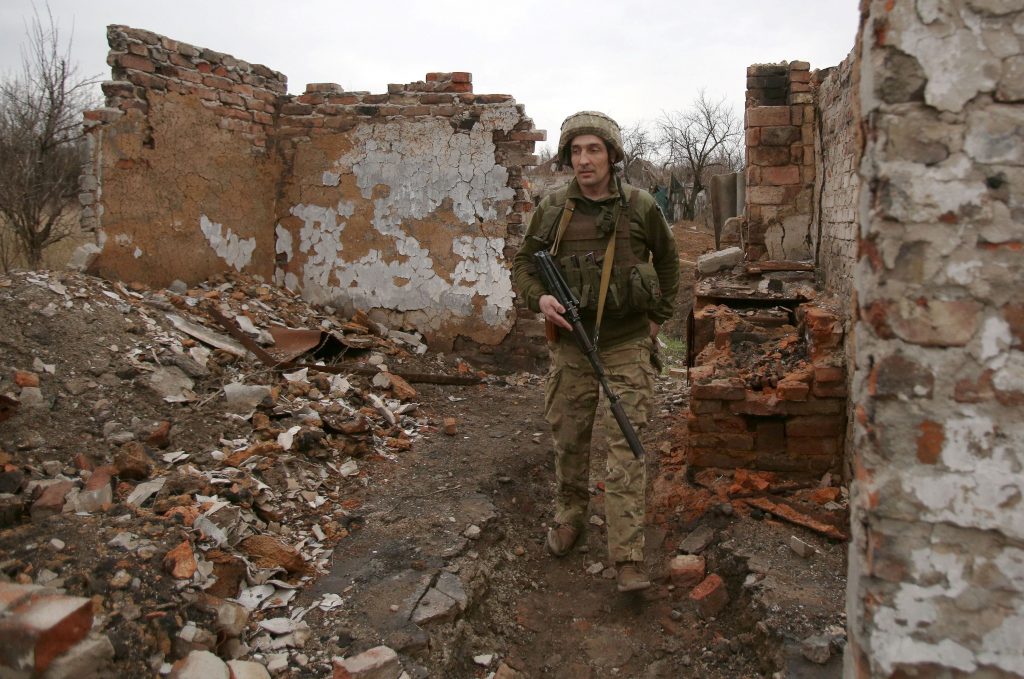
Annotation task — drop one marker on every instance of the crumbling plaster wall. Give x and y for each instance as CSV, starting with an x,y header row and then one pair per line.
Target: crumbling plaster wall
x,y
407,205
408,214
936,581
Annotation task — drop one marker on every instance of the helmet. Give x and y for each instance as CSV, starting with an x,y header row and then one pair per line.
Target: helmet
x,y
590,122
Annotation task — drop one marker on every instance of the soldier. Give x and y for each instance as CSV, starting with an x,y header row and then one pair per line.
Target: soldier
x,y
618,254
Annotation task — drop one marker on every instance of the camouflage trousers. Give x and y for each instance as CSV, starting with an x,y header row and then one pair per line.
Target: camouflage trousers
x,y
571,402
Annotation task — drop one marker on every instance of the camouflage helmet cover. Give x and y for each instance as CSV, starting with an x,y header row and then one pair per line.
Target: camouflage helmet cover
x,y
590,122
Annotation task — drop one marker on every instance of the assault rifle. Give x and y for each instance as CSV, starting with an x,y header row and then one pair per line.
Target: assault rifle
x,y
556,286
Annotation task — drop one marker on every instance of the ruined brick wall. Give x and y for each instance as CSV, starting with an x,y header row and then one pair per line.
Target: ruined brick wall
x,y
404,202
180,182
407,204
838,186
779,125
936,582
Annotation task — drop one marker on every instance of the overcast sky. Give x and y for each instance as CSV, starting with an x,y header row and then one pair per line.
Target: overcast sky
x,y
631,60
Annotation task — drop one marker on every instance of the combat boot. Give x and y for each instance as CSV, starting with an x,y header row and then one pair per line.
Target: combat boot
x,y
631,576
561,538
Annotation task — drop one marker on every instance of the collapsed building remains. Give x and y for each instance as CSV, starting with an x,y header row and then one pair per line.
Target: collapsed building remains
x,y
898,173
407,203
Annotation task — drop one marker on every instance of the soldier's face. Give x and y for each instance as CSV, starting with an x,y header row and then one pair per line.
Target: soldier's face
x,y
590,163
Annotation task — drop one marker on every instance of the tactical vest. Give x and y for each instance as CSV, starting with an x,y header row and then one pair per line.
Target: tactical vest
x,y
633,285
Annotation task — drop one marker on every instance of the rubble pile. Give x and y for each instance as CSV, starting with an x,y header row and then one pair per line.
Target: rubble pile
x,y
191,533
769,384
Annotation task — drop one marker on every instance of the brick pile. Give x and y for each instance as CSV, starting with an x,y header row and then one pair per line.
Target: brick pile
x,y
44,631
793,422
779,124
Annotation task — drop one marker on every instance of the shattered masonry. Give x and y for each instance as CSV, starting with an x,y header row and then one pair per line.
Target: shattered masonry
x,y
406,204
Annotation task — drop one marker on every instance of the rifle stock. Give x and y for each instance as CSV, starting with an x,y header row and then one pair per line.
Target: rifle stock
x,y
556,286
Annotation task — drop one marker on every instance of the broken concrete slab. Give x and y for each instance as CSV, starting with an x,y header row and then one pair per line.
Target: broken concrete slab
x,y
721,259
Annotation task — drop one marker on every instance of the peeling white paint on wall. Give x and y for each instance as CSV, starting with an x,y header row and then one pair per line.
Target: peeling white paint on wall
x,y
980,485
237,252
423,163
423,166
902,628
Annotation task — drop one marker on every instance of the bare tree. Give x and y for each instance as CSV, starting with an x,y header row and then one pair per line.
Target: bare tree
x,y
698,141
41,150
640,147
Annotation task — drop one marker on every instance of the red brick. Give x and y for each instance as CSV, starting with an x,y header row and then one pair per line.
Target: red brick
x,y
38,631
757,403
686,571
930,441
816,406
135,62
701,406
462,77
829,374
811,446
753,136
719,440
764,116
719,390
52,500
793,391
816,425
770,437
829,390
528,135
717,457
710,596
23,378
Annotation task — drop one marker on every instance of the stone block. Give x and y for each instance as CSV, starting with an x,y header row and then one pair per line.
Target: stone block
x,y
780,175
710,596
702,406
779,136
722,259
380,662
39,630
686,571
769,155
697,540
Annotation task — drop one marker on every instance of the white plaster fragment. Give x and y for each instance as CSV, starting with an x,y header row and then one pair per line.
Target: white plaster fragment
x,y
331,178
124,239
995,341
137,253
237,252
1010,376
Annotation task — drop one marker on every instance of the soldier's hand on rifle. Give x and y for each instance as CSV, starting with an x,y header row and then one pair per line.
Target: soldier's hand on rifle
x,y
553,311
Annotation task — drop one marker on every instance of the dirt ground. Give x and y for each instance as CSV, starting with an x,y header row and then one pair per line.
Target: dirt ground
x,y
379,499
